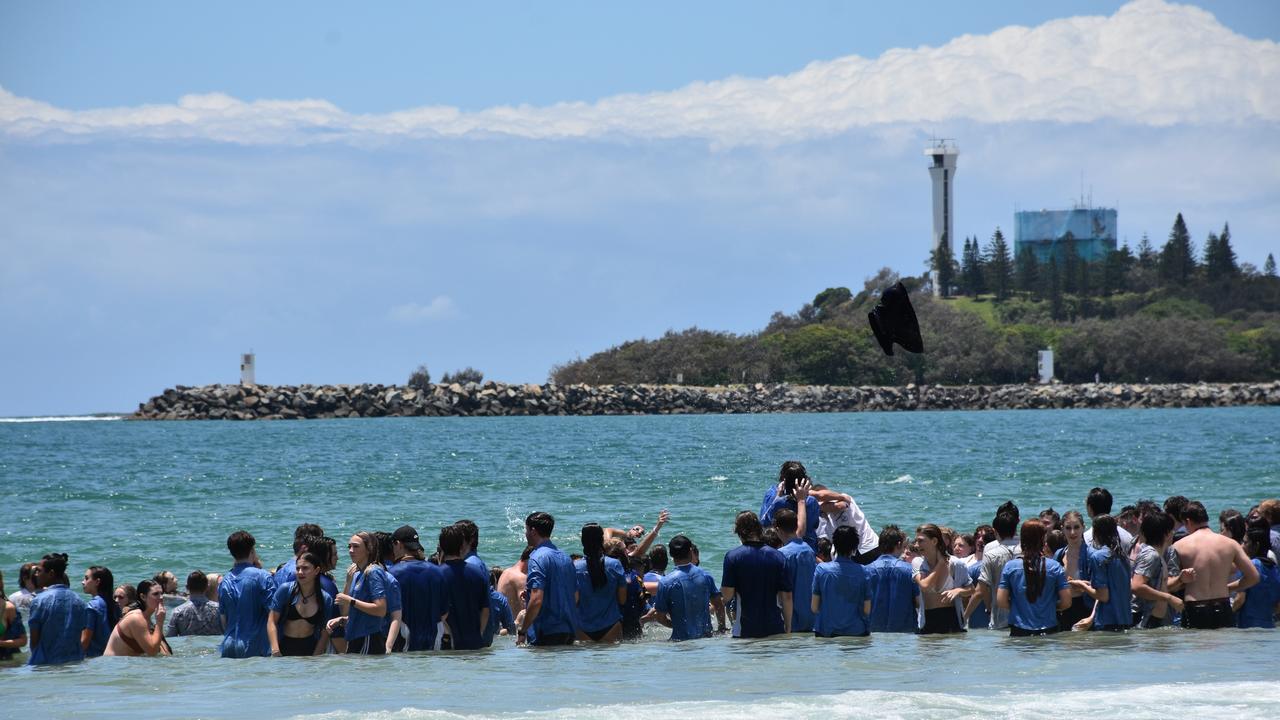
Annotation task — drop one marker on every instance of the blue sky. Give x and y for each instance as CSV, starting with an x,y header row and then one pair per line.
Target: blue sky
x,y
510,185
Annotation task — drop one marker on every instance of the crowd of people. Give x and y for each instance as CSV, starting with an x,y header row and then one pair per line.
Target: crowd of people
x,y
808,562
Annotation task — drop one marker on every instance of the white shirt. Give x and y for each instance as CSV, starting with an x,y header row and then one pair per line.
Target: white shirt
x,y
1126,539
852,517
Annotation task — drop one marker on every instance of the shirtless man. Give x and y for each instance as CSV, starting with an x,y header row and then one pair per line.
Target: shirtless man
x,y
511,582
1205,561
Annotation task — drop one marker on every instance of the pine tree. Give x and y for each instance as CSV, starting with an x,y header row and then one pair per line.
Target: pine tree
x,y
1219,258
1070,264
1269,267
1115,270
971,269
1053,283
1146,254
943,263
1027,277
999,266
1177,258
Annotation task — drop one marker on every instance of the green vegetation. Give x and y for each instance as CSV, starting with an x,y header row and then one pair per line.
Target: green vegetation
x,y
1154,315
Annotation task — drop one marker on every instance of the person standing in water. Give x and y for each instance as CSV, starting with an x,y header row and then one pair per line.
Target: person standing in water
x,y
602,590
1033,588
198,615
13,634
944,583
57,616
141,631
801,561
894,594
103,611
756,575
686,596
468,591
424,594
1074,559
1206,561
364,599
300,609
550,615
1110,579
841,597
1151,603
244,600
1258,606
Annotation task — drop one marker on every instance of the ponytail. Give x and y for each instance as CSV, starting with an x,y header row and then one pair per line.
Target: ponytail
x,y
593,552
106,591
1032,540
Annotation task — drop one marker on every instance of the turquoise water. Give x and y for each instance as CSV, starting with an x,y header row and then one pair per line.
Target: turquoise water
x,y
140,497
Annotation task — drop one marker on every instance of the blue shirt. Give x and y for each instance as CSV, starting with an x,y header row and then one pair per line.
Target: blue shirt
x,y
244,600
1041,614
59,616
368,585
474,560
813,513
468,590
892,592
1114,574
801,563
283,598
1085,567
1260,600
683,596
99,621
842,584
598,607
329,585
981,617
287,572
394,603
757,573
424,599
552,572
499,617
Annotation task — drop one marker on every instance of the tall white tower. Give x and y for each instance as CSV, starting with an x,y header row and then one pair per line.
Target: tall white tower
x,y
246,369
942,170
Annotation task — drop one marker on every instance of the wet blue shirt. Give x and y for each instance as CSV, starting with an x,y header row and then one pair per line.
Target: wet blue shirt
x,y
59,616
1114,574
368,585
394,602
287,572
474,560
598,608
1023,613
499,617
684,595
801,564
892,591
813,513
284,597
552,572
244,600
424,599
981,617
328,585
842,584
1260,600
757,573
468,589
12,631
99,622
1082,563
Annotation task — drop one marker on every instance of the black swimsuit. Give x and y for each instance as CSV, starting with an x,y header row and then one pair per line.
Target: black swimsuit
x,y
294,646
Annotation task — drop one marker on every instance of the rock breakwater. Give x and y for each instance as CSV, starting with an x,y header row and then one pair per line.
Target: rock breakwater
x,y
289,402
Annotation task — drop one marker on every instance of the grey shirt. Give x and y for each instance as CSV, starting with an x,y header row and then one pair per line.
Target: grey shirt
x,y
1149,565
197,616
994,557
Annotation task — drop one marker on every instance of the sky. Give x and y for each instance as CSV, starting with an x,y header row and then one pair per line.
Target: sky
x,y
351,192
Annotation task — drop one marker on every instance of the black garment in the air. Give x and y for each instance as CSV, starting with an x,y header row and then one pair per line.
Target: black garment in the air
x,y
894,320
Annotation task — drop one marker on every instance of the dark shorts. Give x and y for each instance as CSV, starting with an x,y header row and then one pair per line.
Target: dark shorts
x,y
553,639
368,645
294,647
1208,614
939,621
1151,623
1074,614
1015,631
598,635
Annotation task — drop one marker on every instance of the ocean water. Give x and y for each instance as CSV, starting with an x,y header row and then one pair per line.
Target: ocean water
x,y
140,497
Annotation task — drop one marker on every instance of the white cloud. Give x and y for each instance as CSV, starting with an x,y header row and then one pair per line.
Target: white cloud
x,y
1151,63
442,306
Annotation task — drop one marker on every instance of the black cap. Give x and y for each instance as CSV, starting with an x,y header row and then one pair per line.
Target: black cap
x,y
894,320
407,535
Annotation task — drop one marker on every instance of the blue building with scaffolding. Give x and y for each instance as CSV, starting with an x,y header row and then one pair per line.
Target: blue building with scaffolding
x,y
1045,232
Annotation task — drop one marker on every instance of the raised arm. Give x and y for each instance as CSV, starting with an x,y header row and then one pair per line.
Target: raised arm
x,y
643,546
